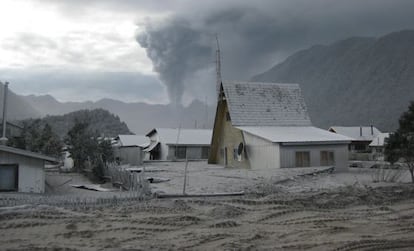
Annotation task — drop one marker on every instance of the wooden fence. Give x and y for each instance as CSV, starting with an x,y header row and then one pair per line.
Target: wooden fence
x,y
72,201
131,181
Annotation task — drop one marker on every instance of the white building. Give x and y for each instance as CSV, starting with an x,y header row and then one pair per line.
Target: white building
x,y
266,125
377,146
179,144
22,171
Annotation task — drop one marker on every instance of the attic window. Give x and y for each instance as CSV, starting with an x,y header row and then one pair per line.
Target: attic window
x,y
228,116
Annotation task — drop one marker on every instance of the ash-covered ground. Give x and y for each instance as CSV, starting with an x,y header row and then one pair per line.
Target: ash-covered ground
x,y
325,211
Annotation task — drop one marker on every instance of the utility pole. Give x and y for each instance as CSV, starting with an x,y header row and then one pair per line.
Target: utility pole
x,y
3,139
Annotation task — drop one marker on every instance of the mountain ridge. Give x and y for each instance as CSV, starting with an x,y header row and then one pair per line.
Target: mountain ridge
x,y
140,117
355,81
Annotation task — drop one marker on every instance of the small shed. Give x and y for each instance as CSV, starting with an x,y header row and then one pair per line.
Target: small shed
x,y
179,144
22,171
128,149
266,125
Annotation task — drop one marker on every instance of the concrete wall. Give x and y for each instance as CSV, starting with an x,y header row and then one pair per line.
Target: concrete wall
x,y
31,172
261,153
288,158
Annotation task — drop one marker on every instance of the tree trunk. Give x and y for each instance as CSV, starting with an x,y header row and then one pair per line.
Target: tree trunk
x,y
411,169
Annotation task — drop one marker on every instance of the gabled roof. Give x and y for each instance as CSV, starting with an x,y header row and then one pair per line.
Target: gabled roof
x,y
295,134
133,140
169,136
368,132
27,153
265,104
380,139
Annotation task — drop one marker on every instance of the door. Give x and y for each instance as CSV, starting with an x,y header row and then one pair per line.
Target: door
x,y
9,177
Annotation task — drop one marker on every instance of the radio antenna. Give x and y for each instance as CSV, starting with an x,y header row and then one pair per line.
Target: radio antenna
x,y
218,68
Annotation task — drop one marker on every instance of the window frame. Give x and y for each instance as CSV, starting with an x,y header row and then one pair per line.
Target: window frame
x,y
300,161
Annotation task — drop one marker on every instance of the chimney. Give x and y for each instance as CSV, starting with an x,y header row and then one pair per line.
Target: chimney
x,y
360,131
372,130
3,139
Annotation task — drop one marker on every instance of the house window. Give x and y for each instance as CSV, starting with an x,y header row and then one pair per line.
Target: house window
x,y
205,150
9,177
181,152
228,116
327,158
302,159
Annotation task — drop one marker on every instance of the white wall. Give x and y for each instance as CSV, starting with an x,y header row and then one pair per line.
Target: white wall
x,y
31,172
261,153
288,157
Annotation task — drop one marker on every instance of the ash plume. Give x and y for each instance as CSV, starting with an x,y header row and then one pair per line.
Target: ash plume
x,y
177,51
255,35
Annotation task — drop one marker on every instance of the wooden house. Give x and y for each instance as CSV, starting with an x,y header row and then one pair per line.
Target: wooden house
x,y
361,136
266,125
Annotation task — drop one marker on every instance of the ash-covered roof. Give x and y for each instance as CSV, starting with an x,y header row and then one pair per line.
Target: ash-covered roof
x,y
358,133
265,104
380,140
27,153
133,140
175,136
295,134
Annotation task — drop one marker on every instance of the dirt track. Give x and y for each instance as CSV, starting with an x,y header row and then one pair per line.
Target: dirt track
x,y
345,218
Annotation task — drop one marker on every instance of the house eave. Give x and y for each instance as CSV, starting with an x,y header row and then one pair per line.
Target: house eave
x,y
314,143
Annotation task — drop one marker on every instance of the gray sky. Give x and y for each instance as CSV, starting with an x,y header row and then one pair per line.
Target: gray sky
x,y
157,51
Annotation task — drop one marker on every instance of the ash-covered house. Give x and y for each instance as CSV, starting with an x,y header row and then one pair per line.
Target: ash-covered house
x,y
266,125
22,171
377,146
361,136
128,149
179,144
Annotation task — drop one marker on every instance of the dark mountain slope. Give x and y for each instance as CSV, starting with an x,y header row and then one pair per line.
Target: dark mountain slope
x,y
357,81
99,120
140,117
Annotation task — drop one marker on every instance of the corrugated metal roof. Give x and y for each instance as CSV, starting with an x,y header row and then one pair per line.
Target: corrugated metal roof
x,y
355,132
134,140
380,139
291,134
27,153
265,104
186,137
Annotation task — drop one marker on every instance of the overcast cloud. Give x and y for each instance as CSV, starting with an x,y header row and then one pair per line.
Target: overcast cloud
x,y
140,50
